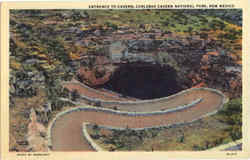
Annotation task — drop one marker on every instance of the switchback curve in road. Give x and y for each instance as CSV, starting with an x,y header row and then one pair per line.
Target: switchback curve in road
x,y
65,131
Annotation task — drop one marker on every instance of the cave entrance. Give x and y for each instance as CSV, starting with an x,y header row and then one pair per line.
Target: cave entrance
x,y
144,81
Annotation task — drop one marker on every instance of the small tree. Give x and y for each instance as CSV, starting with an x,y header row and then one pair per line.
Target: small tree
x,y
98,104
96,130
207,143
74,95
181,138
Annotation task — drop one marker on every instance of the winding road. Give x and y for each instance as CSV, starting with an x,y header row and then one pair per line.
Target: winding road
x,y
66,129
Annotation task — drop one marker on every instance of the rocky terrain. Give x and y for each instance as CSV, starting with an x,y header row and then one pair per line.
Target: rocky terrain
x,y
189,63
140,54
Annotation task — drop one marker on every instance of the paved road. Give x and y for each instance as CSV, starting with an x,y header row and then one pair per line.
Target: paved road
x,y
66,134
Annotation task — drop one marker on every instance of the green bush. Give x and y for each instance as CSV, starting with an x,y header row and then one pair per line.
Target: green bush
x,y
112,25
129,138
232,115
75,95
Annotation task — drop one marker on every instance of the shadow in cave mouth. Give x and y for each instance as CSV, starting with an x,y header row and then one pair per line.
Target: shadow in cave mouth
x,y
143,81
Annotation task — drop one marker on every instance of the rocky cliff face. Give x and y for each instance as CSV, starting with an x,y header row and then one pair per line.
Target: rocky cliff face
x,y
186,62
202,46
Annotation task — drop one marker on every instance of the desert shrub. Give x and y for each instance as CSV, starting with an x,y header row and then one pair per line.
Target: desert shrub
x,y
112,25
74,95
96,130
216,24
128,138
57,104
22,85
197,147
231,114
181,138
98,104
100,73
11,101
65,93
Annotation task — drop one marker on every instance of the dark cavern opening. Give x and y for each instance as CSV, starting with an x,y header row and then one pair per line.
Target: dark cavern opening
x,y
144,81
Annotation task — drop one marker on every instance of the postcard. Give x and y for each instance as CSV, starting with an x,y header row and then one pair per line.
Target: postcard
x,y
91,80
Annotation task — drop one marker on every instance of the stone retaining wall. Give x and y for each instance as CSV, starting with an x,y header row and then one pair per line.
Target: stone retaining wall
x,y
127,103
